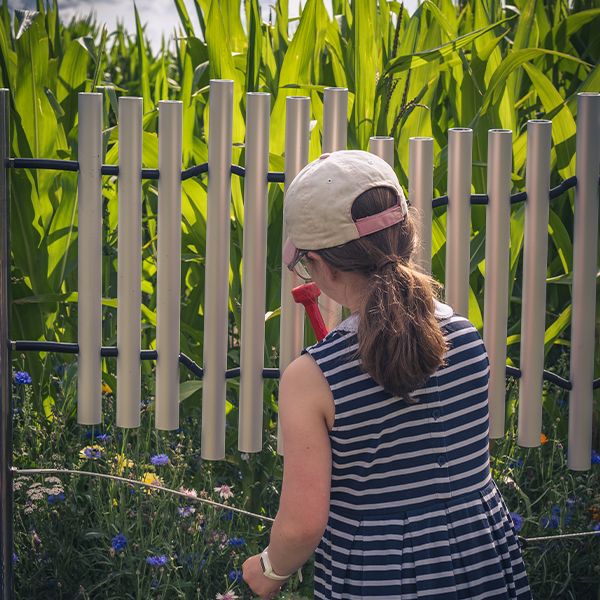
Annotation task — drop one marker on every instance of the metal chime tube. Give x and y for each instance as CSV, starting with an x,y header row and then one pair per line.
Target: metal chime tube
x,y
335,134
458,220
497,251
420,195
383,146
535,253
89,259
585,244
168,276
254,272
291,328
129,265
6,404
216,295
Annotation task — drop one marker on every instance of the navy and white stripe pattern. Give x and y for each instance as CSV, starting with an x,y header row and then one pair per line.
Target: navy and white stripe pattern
x,y
414,512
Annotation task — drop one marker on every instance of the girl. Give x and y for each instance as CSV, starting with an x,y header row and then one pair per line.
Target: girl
x,y
385,421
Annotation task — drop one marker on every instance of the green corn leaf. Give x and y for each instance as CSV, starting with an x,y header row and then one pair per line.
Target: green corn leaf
x,y
556,329
184,17
516,59
411,61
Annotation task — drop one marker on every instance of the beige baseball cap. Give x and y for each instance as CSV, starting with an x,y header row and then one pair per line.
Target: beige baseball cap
x,y
318,203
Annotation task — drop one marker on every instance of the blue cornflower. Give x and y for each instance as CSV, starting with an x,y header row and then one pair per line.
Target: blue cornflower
x,y
553,521
119,542
103,437
54,498
515,462
235,576
517,520
596,527
159,460
595,457
186,511
22,377
15,559
237,541
157,561
92,452
227,516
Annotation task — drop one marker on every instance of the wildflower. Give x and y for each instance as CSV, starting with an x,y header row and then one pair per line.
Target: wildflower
x,y
553,521
595,457
185,511
15,559
235,576
192,493
245,456
106,389
543,438
119,542
515,462
103,437
517,520
224,491
54,498
229,595
91,452
596,527
159,460
22,377
121,462
157,561
227,516
152,479
237,541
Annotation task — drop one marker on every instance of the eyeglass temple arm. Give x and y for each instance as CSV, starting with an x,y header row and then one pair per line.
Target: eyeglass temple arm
x,y
307,295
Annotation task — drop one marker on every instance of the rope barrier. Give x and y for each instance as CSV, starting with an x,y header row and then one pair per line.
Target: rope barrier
x,y
142,484
196,369
272,176
522,540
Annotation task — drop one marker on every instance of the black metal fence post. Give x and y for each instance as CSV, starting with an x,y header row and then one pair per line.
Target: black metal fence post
x,y
6,412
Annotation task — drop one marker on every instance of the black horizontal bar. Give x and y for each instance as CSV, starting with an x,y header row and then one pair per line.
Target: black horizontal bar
x,y
565,185
112,351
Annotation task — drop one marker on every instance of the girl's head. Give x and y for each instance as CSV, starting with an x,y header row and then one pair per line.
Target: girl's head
x,y
354,199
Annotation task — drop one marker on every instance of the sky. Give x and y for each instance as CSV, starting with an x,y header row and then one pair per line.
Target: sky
x,y
160,16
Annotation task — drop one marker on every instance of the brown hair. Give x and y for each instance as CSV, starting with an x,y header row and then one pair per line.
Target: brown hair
x,y
400,342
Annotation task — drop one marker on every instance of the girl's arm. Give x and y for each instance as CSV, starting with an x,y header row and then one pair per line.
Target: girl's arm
x,y
304,396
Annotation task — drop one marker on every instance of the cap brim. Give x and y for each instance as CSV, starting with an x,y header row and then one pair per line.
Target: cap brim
x,y
289,251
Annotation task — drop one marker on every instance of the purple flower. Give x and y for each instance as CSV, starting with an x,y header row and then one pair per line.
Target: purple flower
x,y
157,561
596,527
119,542
235,576
15,559
159,460
517,520
22,377
227,516
515,462
237,541
103,437
185,511
92,452
595,457
54,498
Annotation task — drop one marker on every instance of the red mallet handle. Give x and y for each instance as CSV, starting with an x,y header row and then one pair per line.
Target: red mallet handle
x,y
307,295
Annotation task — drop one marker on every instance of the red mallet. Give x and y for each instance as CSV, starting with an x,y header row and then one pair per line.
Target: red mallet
x,y
307,295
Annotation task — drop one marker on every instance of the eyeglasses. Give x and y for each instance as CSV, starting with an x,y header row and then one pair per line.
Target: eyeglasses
x,y
300,265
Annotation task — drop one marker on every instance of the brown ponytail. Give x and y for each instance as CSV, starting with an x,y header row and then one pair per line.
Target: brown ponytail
x,y
400,342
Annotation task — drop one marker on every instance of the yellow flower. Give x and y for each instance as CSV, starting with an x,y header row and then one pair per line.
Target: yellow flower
x,y
115,502
106,389
152,479
120,463
543,438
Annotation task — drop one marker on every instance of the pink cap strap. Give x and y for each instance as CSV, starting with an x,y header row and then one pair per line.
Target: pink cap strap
x,y
381,220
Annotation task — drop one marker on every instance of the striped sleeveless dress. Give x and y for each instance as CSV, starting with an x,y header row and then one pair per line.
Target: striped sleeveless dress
x,y
414,512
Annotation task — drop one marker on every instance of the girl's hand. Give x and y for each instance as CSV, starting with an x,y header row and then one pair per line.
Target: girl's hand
x,y
262,586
